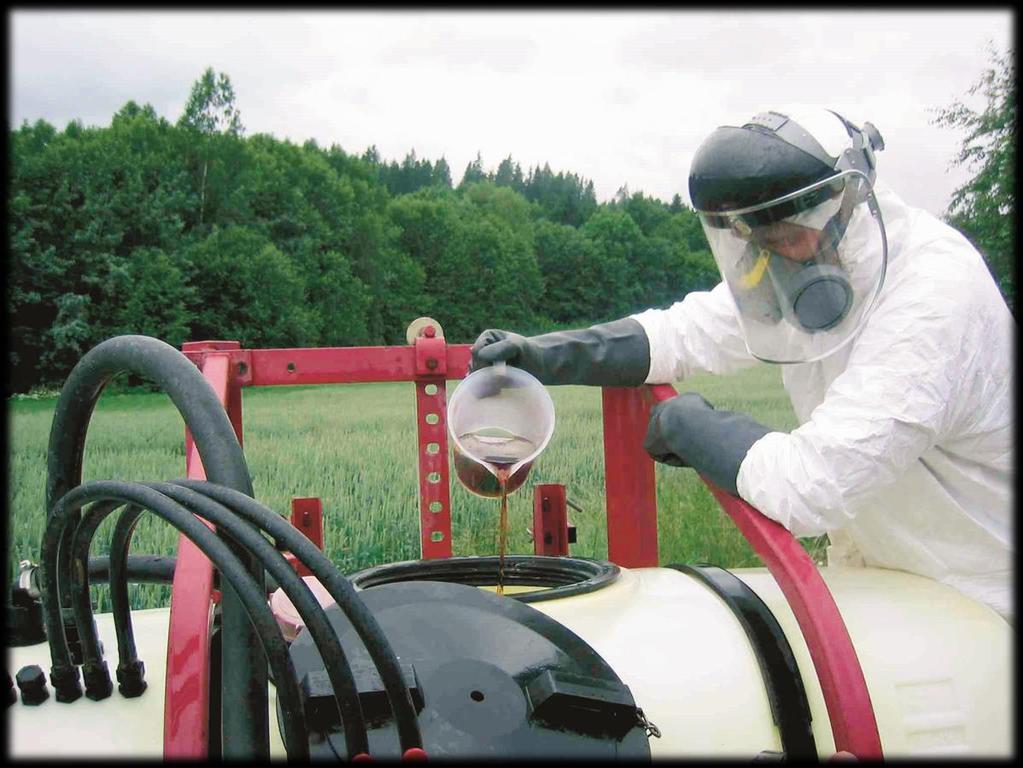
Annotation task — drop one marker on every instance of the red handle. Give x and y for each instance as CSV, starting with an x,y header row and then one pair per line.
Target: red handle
x,y
838,669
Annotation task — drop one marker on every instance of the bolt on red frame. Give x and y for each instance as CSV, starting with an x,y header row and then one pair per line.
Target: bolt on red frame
x,y
631,519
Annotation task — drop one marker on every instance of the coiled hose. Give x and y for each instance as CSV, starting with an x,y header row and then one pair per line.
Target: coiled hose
x,y
245,723
111,494
238,552
335,661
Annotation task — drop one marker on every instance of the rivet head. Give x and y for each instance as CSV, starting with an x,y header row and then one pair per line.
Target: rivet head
x,y
431,363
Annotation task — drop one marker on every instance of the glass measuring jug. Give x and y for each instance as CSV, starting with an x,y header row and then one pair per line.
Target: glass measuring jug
x,y
500,419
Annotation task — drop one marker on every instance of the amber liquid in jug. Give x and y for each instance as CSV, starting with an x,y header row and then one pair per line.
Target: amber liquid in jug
x,y
491,477
498,450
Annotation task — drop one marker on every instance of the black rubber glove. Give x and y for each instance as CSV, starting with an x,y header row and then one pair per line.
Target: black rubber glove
x,y
686,431
615,354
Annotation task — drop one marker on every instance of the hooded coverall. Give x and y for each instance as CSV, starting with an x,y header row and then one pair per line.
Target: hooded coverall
x,y
904,451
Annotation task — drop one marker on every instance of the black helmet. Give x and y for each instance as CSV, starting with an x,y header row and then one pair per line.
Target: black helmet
x,y
772,155
761,191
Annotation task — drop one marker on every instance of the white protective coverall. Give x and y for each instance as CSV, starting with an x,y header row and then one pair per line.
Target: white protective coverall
x,y
904,451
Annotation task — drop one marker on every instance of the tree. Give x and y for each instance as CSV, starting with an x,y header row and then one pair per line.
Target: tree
x,y
156,298
246,289
427,227
573,284
983,208
648,212
84,206
509,174
210,108
474,171
442,173
372,155
563,198
615,240
497,234
209,113
690,265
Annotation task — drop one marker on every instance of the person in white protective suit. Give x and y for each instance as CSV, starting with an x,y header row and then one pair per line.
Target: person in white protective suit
x,y
897,353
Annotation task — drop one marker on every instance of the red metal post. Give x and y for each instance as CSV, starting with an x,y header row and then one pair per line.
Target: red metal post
x,y
550,520
838,668
430,356
307,516
629,479
187,694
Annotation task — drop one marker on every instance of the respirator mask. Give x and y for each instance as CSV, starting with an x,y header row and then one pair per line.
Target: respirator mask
x,y
804,268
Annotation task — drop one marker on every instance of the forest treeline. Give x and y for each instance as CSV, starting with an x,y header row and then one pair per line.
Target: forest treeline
x,y
190,230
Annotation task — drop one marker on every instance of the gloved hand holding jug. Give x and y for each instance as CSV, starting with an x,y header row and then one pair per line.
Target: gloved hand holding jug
x,y
614,354
685,431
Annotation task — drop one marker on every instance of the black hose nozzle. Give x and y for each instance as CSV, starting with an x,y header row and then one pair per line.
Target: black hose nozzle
x,y
98,684
131,679
66,683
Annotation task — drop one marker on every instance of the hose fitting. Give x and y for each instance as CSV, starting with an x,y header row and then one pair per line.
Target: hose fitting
x,y
131,679
66,683
98,684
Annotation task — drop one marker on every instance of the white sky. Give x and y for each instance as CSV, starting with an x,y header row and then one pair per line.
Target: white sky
x,y
618,97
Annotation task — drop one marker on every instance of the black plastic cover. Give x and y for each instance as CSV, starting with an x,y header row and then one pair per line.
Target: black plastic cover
x,y
25,625
490,678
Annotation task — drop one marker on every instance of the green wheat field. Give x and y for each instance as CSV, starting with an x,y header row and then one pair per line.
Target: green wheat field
x,y
354,446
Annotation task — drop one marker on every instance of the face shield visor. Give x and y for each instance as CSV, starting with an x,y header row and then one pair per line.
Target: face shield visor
x,y
804,269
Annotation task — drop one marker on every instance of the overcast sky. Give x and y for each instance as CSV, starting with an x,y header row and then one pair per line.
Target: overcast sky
x,y
618,97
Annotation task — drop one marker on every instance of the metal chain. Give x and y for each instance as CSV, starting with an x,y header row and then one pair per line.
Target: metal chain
x,y
649,728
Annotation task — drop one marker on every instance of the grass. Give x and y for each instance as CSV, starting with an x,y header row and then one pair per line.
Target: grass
x,y
354,446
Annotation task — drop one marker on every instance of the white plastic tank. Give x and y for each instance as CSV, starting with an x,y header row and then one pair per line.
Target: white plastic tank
x,y
938,666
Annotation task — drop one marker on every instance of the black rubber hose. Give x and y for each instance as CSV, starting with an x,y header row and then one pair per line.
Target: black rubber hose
x,y
339,588
245,723
147,569
252,598
339,671
81,602
120,605
52,598
137,569
120,569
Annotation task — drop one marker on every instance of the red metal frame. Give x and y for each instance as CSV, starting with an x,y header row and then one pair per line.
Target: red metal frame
x,y
631,519
550,520
629,479
186,703
431,368
307,516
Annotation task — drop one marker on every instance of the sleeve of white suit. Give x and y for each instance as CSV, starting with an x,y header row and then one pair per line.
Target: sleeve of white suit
x,y
899,393
701,333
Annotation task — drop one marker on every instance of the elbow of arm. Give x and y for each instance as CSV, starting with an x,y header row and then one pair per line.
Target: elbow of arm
x,y
790,490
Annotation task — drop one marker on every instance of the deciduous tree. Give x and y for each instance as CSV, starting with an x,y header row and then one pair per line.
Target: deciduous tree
x,y
984,207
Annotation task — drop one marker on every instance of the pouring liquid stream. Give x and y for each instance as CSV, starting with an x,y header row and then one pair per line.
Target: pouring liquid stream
x,y
502,479
491,476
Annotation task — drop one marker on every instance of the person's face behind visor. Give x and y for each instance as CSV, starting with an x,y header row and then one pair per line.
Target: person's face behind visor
x,y
792,241
803,269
